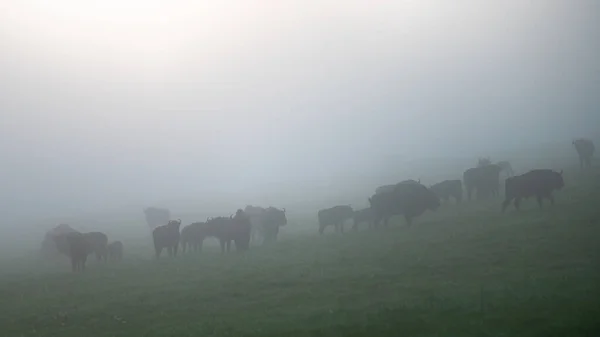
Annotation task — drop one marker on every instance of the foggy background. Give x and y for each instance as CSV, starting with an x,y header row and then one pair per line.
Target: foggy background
x,y
213,104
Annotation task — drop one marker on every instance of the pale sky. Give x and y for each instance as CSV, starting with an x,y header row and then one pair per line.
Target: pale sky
x,y
129,101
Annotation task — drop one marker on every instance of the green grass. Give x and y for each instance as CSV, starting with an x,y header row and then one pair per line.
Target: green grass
x,y
466,270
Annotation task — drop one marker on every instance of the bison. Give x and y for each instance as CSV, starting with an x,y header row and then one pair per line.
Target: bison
x,y
265,222
361,216
389,188
75,246
167,236
410,200
539,183
227,229
334,216
49,246
484,179
98,242
115,251
585,149
447,189
191,236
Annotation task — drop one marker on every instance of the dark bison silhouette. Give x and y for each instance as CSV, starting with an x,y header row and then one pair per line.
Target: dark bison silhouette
x,y
49,247
167,236
265,222
98,242
192,236
334,216
364,215
448,188
389,188
539,183
484,179
78,246
585,149
410,200
115,251
227,229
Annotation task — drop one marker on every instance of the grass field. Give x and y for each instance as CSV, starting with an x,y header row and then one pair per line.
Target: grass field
x,y
466,270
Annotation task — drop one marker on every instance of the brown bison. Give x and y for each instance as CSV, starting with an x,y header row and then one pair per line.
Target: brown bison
x,y
49,247
191,236
484,179
362,216
538,183
447,189
227,229
167,236
115,251
410,200
265,222
98,242
334,216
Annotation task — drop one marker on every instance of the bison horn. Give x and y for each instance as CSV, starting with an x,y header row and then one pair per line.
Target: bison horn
x,y
561,172
179,220
419,181
284,210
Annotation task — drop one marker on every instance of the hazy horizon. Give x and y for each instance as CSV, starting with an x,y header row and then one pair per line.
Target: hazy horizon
x,y
132,102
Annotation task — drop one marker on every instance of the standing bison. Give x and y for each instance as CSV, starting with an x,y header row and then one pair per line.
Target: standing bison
x,y
78,246
484,179
191,236
49,246
410,200
538,183
265,222
227,229
167,236
447,189
334,216
585,149
362,216
98,243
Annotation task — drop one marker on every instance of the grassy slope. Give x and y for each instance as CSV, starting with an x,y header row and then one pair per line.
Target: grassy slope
x,y
464,271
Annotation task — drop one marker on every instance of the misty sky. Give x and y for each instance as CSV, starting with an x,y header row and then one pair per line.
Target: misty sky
x,y
132,101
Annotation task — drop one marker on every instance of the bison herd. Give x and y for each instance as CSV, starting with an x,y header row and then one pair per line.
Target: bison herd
x,y
259,225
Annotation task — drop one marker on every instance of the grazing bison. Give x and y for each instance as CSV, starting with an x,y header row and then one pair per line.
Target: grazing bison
x,y
98,243
538,183
167,236
334,216
484,179
410,200
156,216
585,149
506,168
447,189
227,229
265,222
115,251
363,215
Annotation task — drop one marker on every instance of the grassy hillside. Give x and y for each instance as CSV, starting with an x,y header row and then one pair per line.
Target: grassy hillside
x,y
466,270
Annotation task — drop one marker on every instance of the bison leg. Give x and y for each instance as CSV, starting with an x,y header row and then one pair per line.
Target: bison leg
x,y
540,200
222,243
518,203
158,251
551,198
342,227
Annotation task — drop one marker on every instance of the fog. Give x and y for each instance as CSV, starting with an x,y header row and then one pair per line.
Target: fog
x,y
134,103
